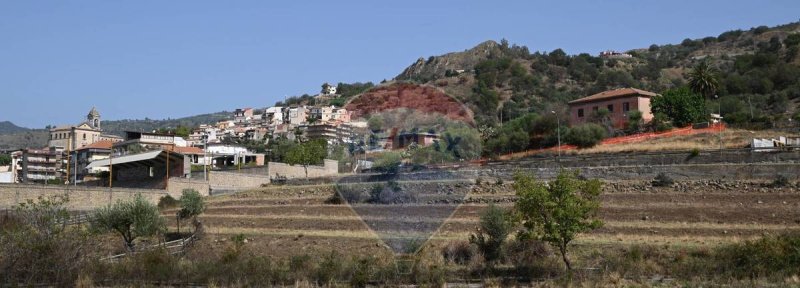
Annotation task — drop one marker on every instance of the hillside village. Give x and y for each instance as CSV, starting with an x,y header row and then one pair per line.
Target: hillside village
x,y
668,157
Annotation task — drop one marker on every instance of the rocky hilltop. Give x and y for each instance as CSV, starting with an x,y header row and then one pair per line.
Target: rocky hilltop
x,y
422,98
440,66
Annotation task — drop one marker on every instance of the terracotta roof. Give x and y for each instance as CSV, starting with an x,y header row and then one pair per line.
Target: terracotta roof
x,y
104,144
614,94
188,150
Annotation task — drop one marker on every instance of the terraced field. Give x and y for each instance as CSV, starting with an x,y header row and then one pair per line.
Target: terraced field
x,y
286,221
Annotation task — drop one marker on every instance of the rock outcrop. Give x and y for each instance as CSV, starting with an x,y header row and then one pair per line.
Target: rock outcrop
x,y
422,98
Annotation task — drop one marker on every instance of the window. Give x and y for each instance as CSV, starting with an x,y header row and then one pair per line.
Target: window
x,y
580,112
626,107
84,136
610,107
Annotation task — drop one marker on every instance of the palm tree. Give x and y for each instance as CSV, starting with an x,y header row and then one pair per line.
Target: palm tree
x,y
703,79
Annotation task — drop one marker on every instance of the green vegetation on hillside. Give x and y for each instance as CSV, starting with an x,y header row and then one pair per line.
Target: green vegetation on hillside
x,y
755,73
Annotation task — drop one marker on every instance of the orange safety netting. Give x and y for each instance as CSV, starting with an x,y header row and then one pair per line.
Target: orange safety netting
x,y
622,140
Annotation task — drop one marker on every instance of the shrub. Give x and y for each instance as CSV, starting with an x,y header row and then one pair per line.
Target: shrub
x,y
460,252
388,163
238,239
634,121
362,270
780,181
586,135
495,225
527,255
767,256
662,180
391,193
347,193
167,202
335,199
36,248
330,268
660,122
694,153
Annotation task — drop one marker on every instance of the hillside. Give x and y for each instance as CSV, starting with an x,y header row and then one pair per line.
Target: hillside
x,y
758,67
36,138
118,127
6,127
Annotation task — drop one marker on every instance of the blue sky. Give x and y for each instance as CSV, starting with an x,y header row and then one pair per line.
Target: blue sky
x,y
162,59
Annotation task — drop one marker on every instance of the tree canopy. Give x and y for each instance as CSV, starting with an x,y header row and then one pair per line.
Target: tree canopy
x,y
557,211
130,219
681,105
307,153
703,79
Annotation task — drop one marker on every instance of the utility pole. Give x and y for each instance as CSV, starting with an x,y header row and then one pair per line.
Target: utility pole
x,y
69,154
166,182
111,168
719,122
205,158
75,177
558,130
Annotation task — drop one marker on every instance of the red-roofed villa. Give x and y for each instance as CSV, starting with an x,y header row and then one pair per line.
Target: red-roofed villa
x,y
618,102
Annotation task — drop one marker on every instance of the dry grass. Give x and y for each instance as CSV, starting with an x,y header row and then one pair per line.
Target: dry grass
x,y
731,138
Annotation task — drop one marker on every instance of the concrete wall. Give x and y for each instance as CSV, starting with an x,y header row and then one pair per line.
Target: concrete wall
x,y
218,179
80,198
330,168
176,186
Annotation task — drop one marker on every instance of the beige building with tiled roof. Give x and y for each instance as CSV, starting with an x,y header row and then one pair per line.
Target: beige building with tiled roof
x,y
618,102
76,137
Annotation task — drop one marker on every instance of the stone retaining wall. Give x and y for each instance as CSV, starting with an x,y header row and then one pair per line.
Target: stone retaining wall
x,y
236,180
80,198
329,168
176,186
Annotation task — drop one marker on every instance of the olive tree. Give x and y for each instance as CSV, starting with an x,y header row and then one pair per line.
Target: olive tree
x,y
308,153
130,219
556,212
192,204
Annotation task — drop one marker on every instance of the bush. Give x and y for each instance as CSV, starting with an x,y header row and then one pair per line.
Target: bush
x,y
460,252
767,256
694,153
391,193
586,135
527,255
662,180
388,163
496,223
167,202
780,181
335,199
661,122
36,249
329,269
347,193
